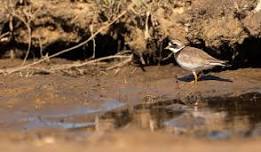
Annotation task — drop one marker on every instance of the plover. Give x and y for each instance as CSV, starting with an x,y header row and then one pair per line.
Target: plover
x,y
193,59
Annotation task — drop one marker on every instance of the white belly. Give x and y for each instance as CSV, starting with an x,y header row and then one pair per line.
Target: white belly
x,y
188,66
193,67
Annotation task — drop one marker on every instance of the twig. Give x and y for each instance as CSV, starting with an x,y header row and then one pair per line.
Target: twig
x,y
4,34
166,58
86,41
124,52
146,33
29,35
77,65
93,41
68,66
121,64
12,70
41,47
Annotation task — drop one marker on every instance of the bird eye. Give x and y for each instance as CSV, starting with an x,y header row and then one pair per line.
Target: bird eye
x,y
174,45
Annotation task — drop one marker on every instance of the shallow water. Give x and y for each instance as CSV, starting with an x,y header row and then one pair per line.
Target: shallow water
x,y
216,118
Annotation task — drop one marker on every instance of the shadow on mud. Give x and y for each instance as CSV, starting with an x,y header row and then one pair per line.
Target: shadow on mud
x,y
189,78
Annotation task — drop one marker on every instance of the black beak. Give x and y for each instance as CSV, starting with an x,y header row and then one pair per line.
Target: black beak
x,y
167,47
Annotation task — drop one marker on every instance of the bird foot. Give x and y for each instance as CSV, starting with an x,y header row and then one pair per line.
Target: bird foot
x,y
194,82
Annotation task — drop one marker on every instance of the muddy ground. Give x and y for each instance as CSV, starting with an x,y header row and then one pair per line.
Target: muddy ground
x,y
147,104
67,111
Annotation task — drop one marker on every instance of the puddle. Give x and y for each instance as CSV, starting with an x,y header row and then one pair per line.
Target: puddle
x,y
220,118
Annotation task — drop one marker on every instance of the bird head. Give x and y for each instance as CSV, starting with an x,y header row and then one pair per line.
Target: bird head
x,y
175,46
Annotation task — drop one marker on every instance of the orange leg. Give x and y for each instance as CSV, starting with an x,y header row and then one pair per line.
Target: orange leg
x,y
195,77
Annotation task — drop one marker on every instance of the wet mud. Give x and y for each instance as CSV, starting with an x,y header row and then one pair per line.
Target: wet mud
x,y
221,105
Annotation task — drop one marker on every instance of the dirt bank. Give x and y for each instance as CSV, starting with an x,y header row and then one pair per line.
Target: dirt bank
x,y
223,28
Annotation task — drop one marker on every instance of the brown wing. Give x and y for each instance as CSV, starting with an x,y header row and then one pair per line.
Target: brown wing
x,y
197,56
